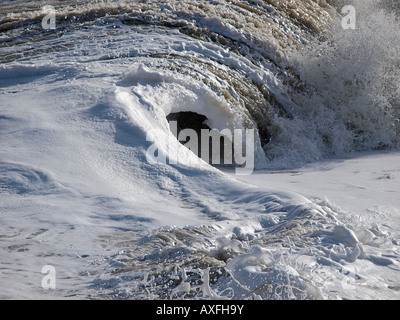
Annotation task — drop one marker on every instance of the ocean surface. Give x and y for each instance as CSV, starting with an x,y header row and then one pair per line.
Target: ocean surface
x,y
99,200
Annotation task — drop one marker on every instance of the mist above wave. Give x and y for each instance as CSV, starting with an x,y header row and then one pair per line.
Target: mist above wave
x,y
352,98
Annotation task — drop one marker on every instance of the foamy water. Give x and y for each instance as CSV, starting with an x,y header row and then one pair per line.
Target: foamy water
x,y
81,104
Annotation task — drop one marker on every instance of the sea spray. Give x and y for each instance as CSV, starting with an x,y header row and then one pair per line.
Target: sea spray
x,y
350,97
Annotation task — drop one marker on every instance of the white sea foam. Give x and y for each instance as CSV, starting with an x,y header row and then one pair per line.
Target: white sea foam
x,y
78,193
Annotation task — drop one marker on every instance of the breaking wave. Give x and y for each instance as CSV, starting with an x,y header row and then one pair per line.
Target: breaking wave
x,y
288,69
311,88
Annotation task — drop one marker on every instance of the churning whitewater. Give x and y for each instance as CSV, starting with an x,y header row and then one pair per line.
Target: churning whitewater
x,y
104,189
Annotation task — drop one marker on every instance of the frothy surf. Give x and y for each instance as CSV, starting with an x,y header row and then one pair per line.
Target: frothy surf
x,y
83,102
311,88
